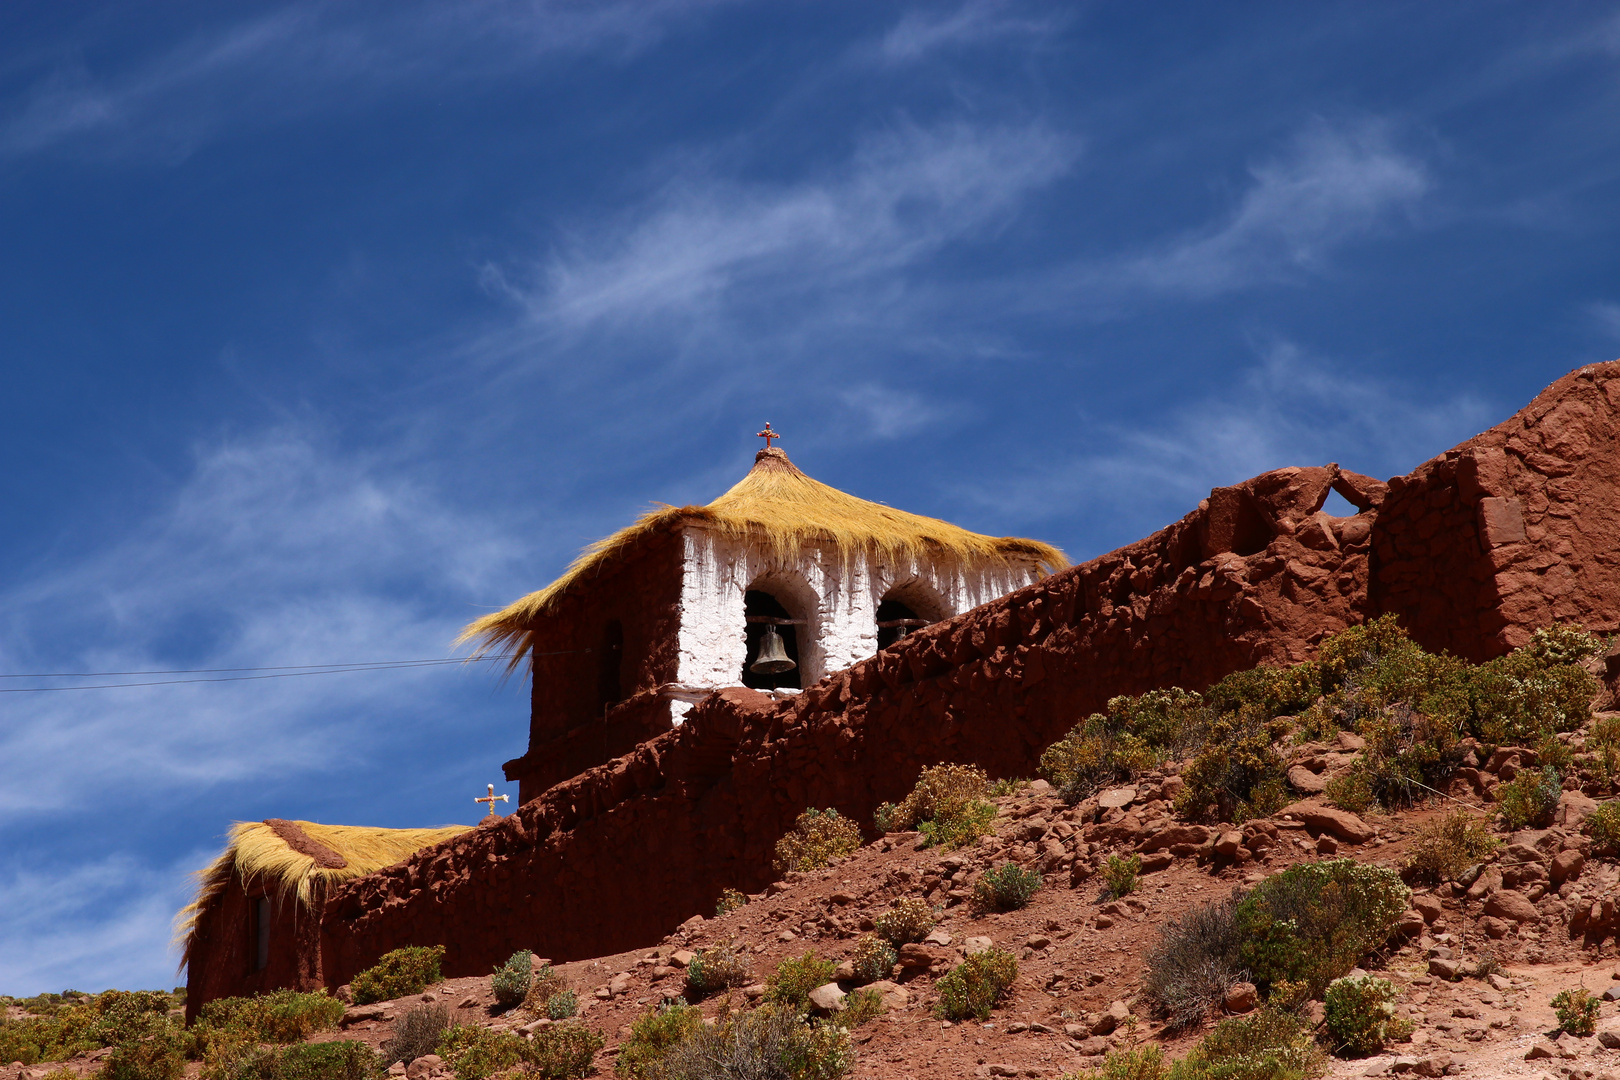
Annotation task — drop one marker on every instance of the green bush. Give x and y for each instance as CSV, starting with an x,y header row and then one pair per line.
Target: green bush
x,y
767,1043
1131,1063
1007,786
1530,798
281,1016
976,985
719,967
1237,772
1311,923
475,1053
1352,789
398,974
730,900
562,1005
1120,873
160,1056
873,958
1603,826
1577,1011
1133,734
543,986
652,1036
859,1007
417,1033
1005,889
1603,740
1195,961
1519,697
1360,1012
908,921
1266,1045
346,1060
562,1052
61,1026
512,980
947,805
1447,846
817,838
790,984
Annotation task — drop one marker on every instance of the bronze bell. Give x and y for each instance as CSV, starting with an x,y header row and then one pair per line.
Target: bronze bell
x,y
773,658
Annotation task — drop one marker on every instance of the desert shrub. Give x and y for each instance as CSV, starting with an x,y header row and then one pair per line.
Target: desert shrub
x,y
1267,691
1352,789
762,1044
398,974
790,984
1603,826
1530,798
1131,1063
1603,740
562,1005
816,839
1520,697
1311,923
976,985
1360,1011
160,1056
652,1036
1007,786
1447,846
947,805
512,980
417,1033
1577,1011
1120,873
474,1053
1237,771
1551,750
347,1060
1195,961
61,1026
1563,643
730,900
1006,888
719,967
1265,1045
859,1007
282,1016
1132,735
883,817
873,958
908,921
544,985
562,1052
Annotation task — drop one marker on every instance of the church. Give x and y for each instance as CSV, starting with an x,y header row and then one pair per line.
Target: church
x,y
780,581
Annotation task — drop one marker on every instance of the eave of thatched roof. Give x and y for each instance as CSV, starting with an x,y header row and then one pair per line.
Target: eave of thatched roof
x,y
296,857
783,510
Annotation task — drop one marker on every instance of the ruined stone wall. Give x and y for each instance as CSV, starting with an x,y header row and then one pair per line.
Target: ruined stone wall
x,y
618,856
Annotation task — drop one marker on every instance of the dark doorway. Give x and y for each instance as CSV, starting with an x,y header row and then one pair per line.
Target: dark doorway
x,y
901,618
259,932
609,665
757,604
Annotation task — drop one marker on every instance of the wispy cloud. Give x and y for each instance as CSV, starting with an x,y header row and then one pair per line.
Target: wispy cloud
x,y
1333,186
310,57
707,241
1291,408
1605,316
92,926
276,550
921,32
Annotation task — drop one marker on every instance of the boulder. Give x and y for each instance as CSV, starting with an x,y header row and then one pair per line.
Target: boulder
x,y
681,957
1116,798
1487,884
1174,835
1566,866
619,984
1573,809
1241,998
1227,844
1429,906
1111,1018
1340,823
895,996
977,945
424,1067
1096,1046
1306,782
1450,970
1507,904
827,998
1609,1035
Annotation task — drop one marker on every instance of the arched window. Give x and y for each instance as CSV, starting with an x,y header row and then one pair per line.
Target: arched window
x,y
904,609
765,612
609,665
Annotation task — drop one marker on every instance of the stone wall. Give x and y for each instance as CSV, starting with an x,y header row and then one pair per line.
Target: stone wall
x,y
618,856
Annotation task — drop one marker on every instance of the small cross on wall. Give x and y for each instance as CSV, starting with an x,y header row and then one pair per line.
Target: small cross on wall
x,y
767,435
492,799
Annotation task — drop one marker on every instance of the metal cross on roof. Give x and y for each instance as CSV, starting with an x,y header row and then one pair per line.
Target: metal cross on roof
x,y
767,435
492,799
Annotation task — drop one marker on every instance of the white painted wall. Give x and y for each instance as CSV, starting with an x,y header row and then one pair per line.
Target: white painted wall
x,y
839,603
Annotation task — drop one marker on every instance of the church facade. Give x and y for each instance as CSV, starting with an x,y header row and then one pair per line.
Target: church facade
x,y
778,583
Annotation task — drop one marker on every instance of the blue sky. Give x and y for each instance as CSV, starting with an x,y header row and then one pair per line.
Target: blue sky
x,y
327,328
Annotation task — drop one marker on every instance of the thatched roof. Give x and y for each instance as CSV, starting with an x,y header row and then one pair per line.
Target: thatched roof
x,y
291,857
780,508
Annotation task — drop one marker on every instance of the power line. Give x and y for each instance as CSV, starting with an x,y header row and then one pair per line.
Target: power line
x,y
287,671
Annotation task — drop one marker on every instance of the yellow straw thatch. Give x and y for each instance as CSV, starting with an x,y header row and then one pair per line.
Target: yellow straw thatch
x,y
782,509
257,853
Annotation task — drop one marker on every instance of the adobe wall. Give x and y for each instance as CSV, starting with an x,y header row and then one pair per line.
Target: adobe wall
x,y
618,856
222,949
568,729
